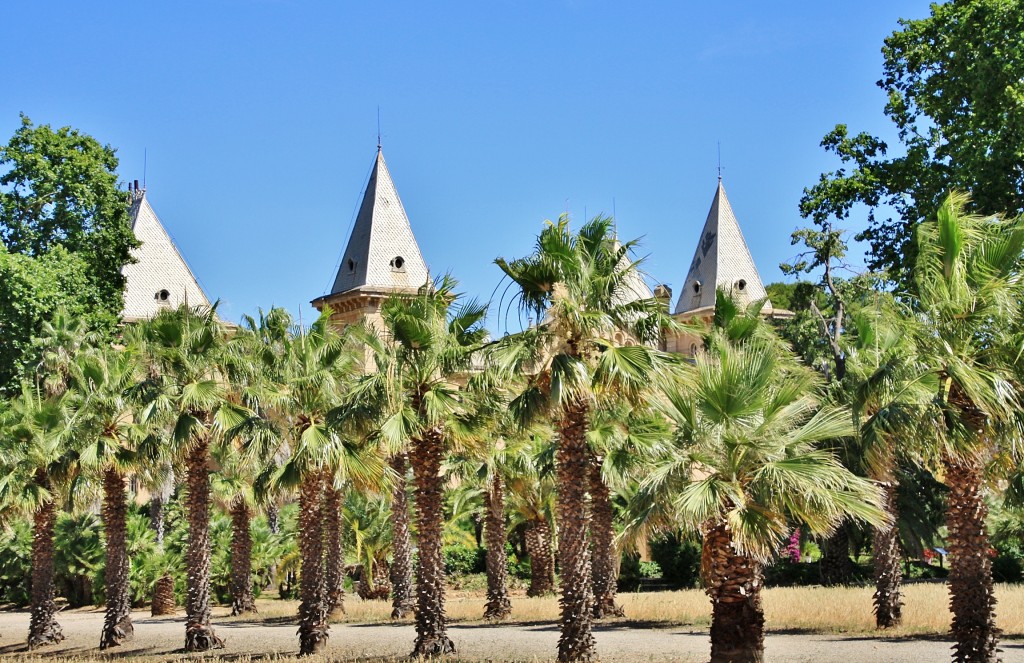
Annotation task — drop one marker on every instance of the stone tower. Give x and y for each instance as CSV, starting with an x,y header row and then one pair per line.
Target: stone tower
x,y
381,258
160,278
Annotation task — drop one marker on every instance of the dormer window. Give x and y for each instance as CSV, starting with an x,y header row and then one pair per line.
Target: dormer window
x,y
398,264
741,285
351,266
696,287
162,296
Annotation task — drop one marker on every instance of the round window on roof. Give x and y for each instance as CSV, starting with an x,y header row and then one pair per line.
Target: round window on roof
x,y
696,287
398,263
741,284
351,265
162,295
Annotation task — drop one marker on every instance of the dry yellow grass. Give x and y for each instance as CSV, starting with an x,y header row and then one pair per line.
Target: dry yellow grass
x,y
811,609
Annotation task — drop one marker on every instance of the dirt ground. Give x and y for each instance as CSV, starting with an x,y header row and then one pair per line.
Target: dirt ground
x,y
160,638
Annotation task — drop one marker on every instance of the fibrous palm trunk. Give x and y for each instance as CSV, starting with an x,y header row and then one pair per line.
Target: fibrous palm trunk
x,y
313,626
886,558
835,565
401,546
499,606
572,462
156,517
733,582
199,634
117,622
542,558
43,627
242,599
972,600
431,623
335,560
163,596
374,585
602,530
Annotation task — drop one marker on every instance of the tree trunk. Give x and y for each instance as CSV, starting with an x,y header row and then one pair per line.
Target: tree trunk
x,y
972,600
117,622
431,623
43,627
836,566
602,530
542,558
313,626
499,606
335,559
401,546
374,584
572,462
886,558
163,596
733,582
242,600
199,634
157,518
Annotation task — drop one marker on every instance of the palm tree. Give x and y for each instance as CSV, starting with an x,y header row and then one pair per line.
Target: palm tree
x,y
401,559
40,462
889,391
745,460
531,506
969,291
189,387
317,367
581,284
105,378
369,522
427,342
234,490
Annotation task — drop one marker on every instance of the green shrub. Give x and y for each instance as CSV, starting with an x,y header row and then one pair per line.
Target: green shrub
x,y
679,560
1008,565
649,570
463,560
16,563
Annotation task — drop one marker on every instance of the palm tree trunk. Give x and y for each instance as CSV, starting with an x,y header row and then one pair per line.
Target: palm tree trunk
x,y
374,584
886,558
242,600
572,462
542,559
117,623
43,627
401,563
602,530
335,559
836,566
156,517
431,623
499,606
733,582
313,626
199,634
972,600
163,596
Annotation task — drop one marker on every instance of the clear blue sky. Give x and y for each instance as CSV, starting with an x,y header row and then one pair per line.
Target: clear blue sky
x,y
260,120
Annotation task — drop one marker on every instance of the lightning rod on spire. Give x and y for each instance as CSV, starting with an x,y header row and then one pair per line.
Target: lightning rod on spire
x,y
719,161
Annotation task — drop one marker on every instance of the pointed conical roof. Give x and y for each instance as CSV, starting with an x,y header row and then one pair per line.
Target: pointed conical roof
x,y
160,278
722,260
382,253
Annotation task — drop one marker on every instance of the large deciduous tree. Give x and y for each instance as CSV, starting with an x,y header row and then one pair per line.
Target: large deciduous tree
x,y
954,83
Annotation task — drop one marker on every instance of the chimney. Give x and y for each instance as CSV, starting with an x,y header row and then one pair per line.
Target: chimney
x,y
663,294
136,185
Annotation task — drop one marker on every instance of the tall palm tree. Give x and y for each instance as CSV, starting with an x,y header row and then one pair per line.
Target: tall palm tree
x,y
968,278
234,489
41,464
105,379
427,342
400,573
369,525
581,286
531,506
318,364
746,461
890,392
189,392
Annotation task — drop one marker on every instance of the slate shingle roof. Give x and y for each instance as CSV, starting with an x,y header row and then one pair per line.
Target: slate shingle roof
x,y
382,253
722,260
160,278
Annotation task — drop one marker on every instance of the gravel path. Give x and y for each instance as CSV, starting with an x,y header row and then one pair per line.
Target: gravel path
x,y
160,638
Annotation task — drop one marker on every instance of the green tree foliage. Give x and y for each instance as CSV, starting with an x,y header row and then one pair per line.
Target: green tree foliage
x,y
58,196
31,289
955,88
